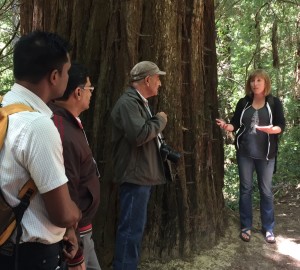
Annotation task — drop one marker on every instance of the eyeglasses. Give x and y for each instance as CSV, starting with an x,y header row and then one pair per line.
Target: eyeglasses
x,y
91,88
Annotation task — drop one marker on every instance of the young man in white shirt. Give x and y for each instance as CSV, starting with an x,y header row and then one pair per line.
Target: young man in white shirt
x,y
32,149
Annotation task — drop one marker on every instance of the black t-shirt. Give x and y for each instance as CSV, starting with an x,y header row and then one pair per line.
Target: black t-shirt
x,y
254,143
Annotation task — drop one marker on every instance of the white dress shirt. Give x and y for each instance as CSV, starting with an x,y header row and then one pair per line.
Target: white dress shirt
x,y
32,148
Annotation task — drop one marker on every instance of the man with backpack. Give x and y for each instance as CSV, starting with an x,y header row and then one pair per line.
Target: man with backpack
x,y
32,149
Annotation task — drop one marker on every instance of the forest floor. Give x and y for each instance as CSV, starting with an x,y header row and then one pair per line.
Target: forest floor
x,y
232,253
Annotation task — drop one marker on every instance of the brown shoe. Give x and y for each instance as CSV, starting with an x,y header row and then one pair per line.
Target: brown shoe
x,y
245,234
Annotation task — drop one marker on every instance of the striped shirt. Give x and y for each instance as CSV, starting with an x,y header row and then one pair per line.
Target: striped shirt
x,y
32,148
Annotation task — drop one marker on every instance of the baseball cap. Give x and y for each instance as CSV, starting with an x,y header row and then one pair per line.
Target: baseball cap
x,y
143,69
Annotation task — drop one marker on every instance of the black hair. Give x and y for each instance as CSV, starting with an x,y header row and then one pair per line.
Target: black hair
x,y
77,76
37,54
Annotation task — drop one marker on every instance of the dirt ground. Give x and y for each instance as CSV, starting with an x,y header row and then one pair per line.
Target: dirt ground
x,y
233,253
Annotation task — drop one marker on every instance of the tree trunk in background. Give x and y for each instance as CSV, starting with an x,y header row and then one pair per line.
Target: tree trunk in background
x,y
297,71
257,56
110,37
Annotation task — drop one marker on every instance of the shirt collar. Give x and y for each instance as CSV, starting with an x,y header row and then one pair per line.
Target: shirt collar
x,y
20,94
79,122
144,99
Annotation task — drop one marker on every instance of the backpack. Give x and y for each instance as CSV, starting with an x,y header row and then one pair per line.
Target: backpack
x,y
10,217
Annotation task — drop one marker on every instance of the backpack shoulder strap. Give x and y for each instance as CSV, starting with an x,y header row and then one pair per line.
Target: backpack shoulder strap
x,y
26,193
5,112
29,189
15,108
28,186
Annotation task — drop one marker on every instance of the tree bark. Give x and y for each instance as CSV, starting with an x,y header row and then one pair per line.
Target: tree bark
x,y
297,69
110,37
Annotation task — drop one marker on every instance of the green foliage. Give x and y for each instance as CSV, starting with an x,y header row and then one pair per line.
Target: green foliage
x,y
246,41
231,181
9,25
289,158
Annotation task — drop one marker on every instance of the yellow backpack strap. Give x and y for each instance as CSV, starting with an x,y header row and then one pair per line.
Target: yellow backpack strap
x,y
26,193
30,187
5,112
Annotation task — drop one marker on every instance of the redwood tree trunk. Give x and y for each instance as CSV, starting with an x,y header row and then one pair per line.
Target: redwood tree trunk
x,y
297,69
109,37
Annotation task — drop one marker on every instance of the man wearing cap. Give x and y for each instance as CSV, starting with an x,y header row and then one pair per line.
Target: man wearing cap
x,y
136,159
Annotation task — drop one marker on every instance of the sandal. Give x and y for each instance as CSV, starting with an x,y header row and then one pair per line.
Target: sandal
x,y
244,235
270,237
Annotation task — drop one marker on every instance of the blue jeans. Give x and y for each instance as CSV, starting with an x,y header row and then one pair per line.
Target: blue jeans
x,y
132,220
264,171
